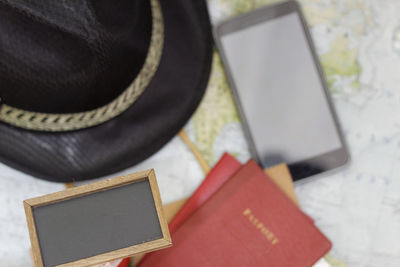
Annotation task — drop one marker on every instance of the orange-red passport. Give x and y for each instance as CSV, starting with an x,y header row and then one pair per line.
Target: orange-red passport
x,y
221,172
247,222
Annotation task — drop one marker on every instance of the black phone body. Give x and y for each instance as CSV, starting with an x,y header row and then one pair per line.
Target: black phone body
x,y
280,90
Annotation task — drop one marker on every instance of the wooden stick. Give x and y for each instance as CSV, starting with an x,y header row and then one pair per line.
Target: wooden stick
x,y
203,163
69,185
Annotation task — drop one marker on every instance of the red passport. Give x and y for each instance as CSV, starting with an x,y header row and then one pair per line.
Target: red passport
x,y
248,222
221,172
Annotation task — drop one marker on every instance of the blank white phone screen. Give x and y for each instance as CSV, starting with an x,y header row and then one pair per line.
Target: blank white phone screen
x,y
280,91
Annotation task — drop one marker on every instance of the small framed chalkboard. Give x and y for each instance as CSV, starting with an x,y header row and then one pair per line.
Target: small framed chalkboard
x,y
98,222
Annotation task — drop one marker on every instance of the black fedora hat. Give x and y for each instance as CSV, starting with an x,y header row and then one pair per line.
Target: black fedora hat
x,y
91,87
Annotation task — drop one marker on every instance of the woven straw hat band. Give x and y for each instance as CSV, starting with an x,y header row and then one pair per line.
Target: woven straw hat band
x,y
73,121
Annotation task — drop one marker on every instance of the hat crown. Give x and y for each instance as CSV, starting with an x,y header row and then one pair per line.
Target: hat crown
x,y
70,56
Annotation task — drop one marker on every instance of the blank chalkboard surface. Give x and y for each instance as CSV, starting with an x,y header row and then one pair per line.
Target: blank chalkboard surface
x,y
99,222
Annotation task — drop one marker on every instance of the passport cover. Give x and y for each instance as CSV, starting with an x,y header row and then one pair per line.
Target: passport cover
x,y
177,212
221,172
248,222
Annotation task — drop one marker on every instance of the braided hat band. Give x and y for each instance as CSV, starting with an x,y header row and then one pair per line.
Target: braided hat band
x,y
53,122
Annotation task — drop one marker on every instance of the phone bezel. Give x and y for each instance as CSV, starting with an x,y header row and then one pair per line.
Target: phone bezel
x,y
307,167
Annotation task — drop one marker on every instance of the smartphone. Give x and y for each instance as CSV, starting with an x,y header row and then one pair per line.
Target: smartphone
x,y
280,90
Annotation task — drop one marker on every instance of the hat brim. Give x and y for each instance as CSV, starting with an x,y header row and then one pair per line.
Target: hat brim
x,y
161,111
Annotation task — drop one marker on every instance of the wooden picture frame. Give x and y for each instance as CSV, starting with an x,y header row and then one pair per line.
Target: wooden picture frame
x,y
80,191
